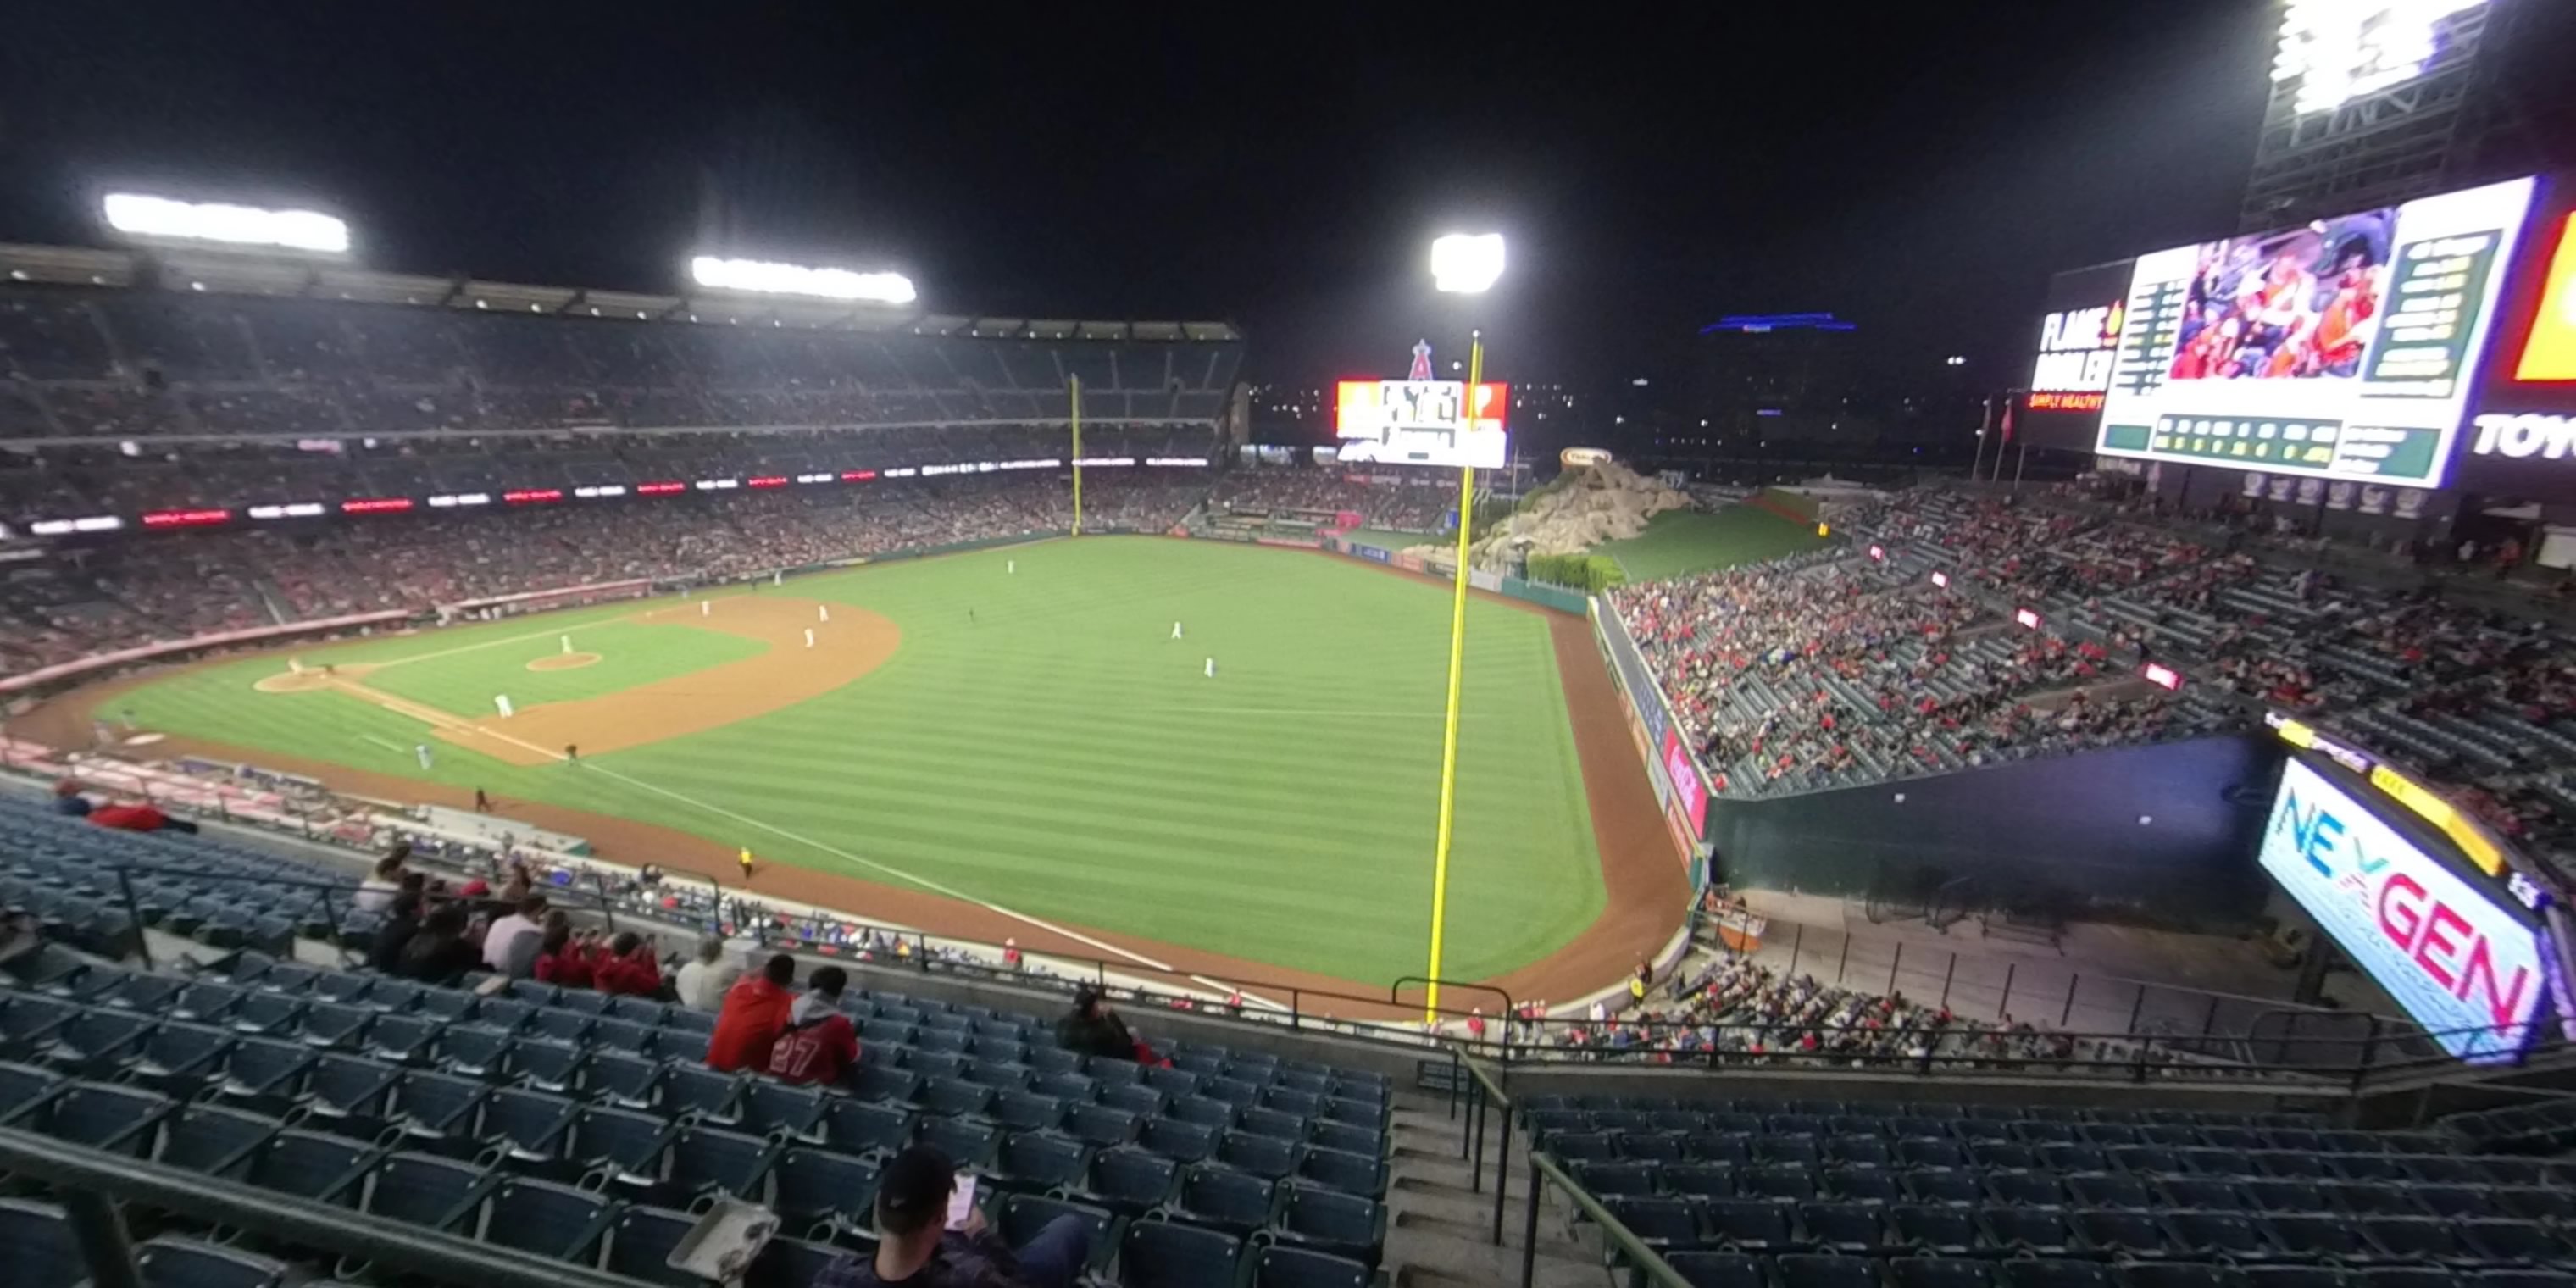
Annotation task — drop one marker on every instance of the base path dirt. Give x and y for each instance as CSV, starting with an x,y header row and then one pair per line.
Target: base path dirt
x,y
808,655
1647,891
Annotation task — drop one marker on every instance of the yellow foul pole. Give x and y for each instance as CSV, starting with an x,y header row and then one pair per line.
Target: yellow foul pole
x,y
1077,455
1457,661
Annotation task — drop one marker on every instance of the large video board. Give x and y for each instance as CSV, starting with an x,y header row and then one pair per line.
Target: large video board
x,y
1421,422
2343,349
2467,966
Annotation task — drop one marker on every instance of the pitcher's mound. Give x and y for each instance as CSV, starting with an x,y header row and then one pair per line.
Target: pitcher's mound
x,y
564,662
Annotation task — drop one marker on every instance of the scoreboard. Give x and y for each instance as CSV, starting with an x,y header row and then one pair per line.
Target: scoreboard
x,y
2342,349
1422,422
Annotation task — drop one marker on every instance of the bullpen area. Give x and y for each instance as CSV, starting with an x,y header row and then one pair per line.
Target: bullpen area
x,y
1011,742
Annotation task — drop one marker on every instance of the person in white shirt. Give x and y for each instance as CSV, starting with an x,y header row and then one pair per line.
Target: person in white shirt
x,y
705,979
376,893
527,920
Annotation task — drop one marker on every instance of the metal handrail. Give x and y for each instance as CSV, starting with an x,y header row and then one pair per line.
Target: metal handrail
x,y
87,1176
1650,1265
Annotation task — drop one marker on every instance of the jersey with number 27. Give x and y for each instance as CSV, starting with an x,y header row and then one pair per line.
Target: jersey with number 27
x,y
819,1052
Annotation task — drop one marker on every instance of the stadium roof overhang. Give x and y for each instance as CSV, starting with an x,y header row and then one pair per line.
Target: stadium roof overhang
x,y
232,273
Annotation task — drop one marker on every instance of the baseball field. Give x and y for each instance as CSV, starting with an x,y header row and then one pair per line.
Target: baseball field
x,y
1012,741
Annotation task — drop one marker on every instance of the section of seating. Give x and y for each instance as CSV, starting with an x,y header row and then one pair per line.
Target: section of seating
x,y
169,588
128,363
584,1127
1393,497
1820,670
1820,1193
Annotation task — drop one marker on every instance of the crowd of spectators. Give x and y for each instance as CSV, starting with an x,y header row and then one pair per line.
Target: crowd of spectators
x,y
1818,671
184,585
1417,504
114,363
1735,1012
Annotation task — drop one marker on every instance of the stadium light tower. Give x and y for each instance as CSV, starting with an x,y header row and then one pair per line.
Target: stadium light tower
x,y
149,218
1461,264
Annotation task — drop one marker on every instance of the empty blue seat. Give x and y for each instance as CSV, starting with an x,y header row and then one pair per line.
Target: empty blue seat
x,y
1938,1272
856,1125
1718,1269
1127,1180
968,1143
425,1190
530,1124
1176,1140
1222,1197
42,1251
1807,1271
1163,1254
124,1120
549,1220
170,1262
780,1107
213,1139
817,1185
1038,1160
629,1141
310,1165
1265,1156
643,1240
1857,1229
2050,1273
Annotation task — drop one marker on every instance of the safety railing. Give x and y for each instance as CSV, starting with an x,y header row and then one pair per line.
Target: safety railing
x,y
1616,1237
95,1187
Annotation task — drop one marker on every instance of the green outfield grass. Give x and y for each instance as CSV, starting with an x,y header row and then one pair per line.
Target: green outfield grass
x,y
1686,541
1059,754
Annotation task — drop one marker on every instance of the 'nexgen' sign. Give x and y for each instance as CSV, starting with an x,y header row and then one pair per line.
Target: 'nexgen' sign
x,y
2461,965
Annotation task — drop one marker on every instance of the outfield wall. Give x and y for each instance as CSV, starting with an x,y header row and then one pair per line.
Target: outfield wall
x,y
2163,833
1681,784
1528,592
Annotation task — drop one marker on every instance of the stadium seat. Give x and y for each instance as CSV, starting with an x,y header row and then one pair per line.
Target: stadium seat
x,y
1163,1254
820,1185
424,1190
171,1262
1345,1225
794,1263
1938,1272
971,1145
1033,1160
1127,1180
1017,1218
213,1139
1751,1225
641,1241
549,1220
1660,1222
1856,1229
1218,1196
42,1251
1285,1266
310,1165
1719,1269
855,1125
1809,1271
123,1120
777,1107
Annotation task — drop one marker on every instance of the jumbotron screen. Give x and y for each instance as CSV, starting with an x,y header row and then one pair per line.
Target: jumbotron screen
x,y
1421,422
2343,348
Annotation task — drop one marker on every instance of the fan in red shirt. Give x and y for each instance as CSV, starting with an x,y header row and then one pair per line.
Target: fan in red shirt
x,y
820,1044
753,1015
629,967
564,958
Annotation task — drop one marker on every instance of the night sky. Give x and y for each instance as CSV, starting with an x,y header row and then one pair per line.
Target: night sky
x,y
1919,168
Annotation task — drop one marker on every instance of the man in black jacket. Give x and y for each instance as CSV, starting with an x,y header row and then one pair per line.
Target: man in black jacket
x,y
1094,1029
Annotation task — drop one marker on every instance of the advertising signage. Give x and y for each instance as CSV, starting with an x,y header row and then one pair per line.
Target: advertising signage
x,y
2079,337
2521,437
2346,348
2468,966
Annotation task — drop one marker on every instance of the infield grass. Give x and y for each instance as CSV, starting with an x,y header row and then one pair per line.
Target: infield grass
x,y
1677,542
1057,753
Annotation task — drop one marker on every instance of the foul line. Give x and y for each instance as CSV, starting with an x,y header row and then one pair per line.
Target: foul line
x,y
455,724
863,861
392,747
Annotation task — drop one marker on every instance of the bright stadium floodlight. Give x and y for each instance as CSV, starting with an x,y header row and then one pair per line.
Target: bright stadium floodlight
x,y
2340,50
764,278
1467,264
138,215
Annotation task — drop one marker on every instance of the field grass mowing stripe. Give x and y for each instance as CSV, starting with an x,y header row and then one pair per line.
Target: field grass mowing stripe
x,y
810,843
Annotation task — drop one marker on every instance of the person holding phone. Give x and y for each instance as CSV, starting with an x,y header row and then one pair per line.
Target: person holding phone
x,y
928,1238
